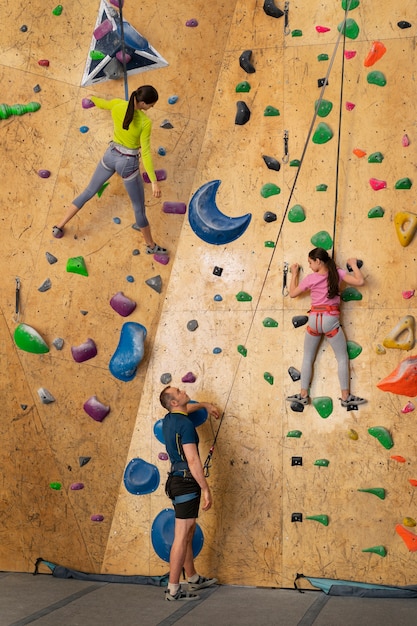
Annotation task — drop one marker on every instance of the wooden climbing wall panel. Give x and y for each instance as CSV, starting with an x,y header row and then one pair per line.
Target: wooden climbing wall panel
x,y
256,475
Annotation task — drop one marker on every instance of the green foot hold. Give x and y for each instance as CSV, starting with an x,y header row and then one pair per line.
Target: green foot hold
x,y
242,350
28,339
380,550
243,87
76,265
322,239
354,349
323,406
352,4
295,163
271,111
403,183
270,323
297,33
376,211
383,436
322,57
376,157
242,296
321,187
296,214
350,293
322,134
323,108
350,28
322,519
322,462
270,189
294,433
269,378
376,78
376,491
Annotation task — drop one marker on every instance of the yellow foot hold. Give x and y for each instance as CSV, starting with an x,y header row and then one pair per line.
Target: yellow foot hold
x,y
405,226
405,325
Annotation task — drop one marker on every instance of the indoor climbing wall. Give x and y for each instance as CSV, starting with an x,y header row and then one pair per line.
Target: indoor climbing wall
x,y
280,127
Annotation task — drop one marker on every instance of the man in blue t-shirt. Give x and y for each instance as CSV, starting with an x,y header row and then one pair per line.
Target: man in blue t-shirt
x,y
185,485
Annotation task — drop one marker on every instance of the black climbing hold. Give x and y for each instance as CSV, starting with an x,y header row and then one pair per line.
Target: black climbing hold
x,y
155,283
23,28
83,312
297,407
322,81
50,258
272,10
272,163
45,285
359,264
299,320
166,124
403,24
37,88
83,460
296,517
24,406
294,373
245,63
270,217
135,252
217,271
242,113
192,325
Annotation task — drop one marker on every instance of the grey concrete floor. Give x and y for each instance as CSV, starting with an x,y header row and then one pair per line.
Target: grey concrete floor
x,y
43,600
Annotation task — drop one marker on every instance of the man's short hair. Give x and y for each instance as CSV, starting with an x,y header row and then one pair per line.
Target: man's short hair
x,y
165,398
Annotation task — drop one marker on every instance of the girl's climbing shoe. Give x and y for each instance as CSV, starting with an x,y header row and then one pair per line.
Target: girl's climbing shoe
x,y
57,232
156,250
352,400
304,400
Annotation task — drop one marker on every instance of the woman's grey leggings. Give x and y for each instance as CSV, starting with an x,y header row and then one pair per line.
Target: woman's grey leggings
x,y
325,324
127,166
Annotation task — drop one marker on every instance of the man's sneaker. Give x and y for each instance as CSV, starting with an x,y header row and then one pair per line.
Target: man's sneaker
x,y
156,250
352,400
201,583
304,400
180,596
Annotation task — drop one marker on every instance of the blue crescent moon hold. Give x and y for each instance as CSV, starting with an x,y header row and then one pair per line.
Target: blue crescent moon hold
x,y
208,223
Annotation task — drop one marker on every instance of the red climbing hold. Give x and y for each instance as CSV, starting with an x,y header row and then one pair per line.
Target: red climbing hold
x,y
44,62
322,29
377,184
349,54
376,52
403,380
409,538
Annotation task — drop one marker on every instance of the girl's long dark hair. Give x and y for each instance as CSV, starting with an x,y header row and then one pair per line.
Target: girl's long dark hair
x,y
147,94
332,276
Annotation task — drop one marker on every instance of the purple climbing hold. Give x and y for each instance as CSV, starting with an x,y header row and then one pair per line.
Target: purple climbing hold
x,y
84,352
189,378
192,23
163,259
77,486
160,175
96,409
97,518
123,305
162,456
44,173
86,103
178,208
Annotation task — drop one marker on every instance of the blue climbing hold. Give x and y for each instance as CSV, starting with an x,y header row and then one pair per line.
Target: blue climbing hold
x,y
162,535
129,352
141,477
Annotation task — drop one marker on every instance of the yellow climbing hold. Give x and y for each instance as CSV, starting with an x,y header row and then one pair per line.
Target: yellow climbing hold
x,y
405,325
409,521
380,349
352,434
405,225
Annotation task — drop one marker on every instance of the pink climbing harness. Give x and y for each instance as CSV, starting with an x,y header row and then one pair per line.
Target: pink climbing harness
x,y
320,309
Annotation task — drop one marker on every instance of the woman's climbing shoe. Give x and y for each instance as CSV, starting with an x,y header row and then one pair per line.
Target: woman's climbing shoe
x,y
352,400
156,250
304,400
57,232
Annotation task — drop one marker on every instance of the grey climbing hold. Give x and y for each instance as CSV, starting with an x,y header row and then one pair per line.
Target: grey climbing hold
x,y
166,378
24,406
50,258
242,113
45,285
45,396
271,162
83,460
294,373
155,283
58,343
299,320
270,217
166,124
245,62
83,312
272,10
192,325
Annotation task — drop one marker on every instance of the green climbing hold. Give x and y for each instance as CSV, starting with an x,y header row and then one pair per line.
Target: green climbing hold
x,y
403,183
270,189
323,519
349,28
322,57
323,108
376,491
269,378
76,265
376,78
297,33
269,244
350,293
28,339
242,296
353,349
376,211
321,187
242,350
322,462
376,157
294,433
101,190
96,55
18,109
243,87
295,163
323,406
352,4
322,239
56,486
380,550
271,111
57,10
296,214
270,323
323,133
383,436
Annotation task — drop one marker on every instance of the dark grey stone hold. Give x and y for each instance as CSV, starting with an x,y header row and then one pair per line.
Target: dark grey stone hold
x,y
270,217
45,396
294,373
358,262
297,407
37,88
135,252
245,63
166,124
403,24
166,378
45,285
58,343
299,320
24,28
113,70
24,406
272,10
242,113
83,460
155,283
50,258
192,325
83,312
322,81
272,163
217,271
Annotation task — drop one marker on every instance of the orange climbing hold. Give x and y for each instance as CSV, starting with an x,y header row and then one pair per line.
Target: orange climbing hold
x,y
359,153
398,458
402,380
376,52
409,538
413,482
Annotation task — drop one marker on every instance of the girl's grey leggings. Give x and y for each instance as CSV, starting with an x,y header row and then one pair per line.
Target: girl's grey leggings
x,y
127,166
325,324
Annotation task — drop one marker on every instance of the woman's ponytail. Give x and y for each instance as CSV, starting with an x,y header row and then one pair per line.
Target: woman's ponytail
x,y
332,273
146,94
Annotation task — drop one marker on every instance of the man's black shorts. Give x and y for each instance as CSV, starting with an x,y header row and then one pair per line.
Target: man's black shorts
x,y
179,486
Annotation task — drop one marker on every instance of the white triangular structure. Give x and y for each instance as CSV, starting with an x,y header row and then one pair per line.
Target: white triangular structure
x,y
142,55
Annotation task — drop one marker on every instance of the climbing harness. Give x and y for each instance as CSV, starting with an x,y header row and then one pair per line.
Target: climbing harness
x,y
287,29
285,157
321,309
